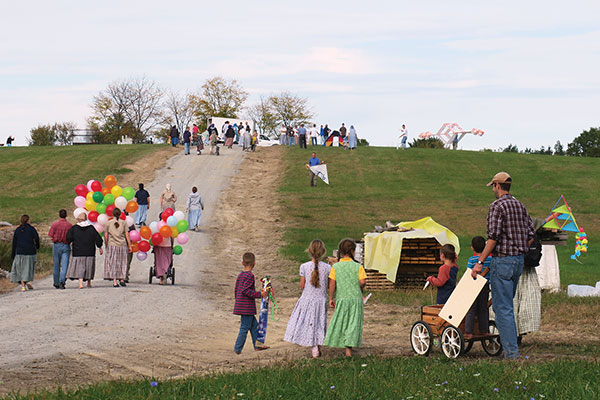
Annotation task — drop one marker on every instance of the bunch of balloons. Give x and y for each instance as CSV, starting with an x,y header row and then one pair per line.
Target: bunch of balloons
x,y
98,201
581,244
172,225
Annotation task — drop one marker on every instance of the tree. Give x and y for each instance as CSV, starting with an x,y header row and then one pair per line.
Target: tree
x,y
587,144
219,98
262,114
180,110
289,109
511,148
559,150
127,108
64,132
42,135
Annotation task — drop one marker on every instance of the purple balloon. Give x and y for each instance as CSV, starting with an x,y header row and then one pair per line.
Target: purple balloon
x,y
141,255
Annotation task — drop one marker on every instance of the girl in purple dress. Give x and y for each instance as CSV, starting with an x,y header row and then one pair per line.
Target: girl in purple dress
x,y
308,322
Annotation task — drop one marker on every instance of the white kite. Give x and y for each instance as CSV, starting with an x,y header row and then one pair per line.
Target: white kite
x,y
320,171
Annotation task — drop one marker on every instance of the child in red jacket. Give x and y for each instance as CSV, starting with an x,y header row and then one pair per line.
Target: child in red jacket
x,y
446,279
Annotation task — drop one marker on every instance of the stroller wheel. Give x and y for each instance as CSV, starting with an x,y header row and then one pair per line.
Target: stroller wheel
x,y
172,276
150,275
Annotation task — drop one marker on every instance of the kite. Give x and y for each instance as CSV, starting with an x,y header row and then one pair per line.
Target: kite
x,y
263,315
562,218
319,170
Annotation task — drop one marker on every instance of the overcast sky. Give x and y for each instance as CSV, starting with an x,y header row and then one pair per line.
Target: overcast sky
x,y
525,72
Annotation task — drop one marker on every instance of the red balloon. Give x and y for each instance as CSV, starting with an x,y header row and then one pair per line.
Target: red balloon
x,y
96,186
109,209
167,213
157,239
123,216
93,216
81,190
144,246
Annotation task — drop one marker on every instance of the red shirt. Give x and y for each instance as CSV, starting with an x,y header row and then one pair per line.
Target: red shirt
x,y
245,294
58,231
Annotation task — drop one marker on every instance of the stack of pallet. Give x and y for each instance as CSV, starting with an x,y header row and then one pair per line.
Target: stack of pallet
x,y
419,258
553,236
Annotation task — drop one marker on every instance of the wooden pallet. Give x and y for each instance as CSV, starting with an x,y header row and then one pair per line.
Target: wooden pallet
x,y
378,281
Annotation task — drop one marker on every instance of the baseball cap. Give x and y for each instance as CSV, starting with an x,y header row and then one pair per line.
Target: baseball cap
x,y
500,177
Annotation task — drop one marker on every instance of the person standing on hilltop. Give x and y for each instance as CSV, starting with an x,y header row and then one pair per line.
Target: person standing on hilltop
x,y
402,138
343,132
314,135
60,250
510,233
9,141
302,136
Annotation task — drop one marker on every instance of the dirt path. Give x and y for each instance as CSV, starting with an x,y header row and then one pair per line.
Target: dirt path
x,y
75,337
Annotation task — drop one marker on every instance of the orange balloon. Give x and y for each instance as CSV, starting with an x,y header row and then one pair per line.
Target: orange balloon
x,y
135,246
105,191
165,231
132,206
145,232
110,181
174,231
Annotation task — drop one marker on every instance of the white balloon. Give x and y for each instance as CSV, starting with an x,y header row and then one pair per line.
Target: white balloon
x,y
121,202
179,215
99,227
129,220
153,226
103,219
78,211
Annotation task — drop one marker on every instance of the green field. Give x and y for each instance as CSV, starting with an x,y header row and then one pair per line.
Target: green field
x,y
367,378
372,185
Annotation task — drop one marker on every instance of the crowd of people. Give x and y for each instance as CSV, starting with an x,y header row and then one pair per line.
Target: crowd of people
x,y
300,136
236,133
74,246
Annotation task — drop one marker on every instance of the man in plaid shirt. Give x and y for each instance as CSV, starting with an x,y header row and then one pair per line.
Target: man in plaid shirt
x,y
510,232
60,250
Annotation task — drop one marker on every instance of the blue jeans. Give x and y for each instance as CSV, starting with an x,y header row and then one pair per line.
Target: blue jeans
x,y
505,273
313,141
248,323
291,141
187,147
174,141
141,214
60,254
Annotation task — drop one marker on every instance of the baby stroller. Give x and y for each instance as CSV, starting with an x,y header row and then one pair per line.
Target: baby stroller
x,y
170,270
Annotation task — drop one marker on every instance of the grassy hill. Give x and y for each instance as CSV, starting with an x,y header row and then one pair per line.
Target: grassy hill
x,y
372,185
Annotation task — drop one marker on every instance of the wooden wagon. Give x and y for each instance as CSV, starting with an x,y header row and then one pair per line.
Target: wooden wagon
x,y
447,321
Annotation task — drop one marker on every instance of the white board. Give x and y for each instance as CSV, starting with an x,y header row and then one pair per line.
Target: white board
x,y
462,298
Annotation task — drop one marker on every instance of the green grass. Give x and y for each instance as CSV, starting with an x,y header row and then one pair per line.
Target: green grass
x,y
41,180
367,378
372,185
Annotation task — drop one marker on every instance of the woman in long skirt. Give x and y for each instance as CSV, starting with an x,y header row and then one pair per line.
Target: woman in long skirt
x,y
25,244
117,246
194,208
84,239
168,198
352,138
308,322
347,280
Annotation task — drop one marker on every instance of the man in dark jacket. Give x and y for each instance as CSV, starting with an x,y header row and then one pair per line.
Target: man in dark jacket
x,y
187,140
174,134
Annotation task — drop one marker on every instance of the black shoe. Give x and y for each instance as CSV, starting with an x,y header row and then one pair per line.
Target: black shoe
x,y
56,286
62,285
115,285
122,284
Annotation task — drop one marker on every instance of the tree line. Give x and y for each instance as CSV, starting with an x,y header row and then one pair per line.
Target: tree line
x,y
141,109
587,144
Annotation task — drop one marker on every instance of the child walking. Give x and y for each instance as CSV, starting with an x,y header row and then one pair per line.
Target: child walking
x,y
480,307
245,304
308,322
347,280
446,279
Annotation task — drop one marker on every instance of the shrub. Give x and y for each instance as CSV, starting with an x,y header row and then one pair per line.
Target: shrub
x,y
429,143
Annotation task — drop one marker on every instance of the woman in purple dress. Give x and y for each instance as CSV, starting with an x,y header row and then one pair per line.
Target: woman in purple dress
x,y
308,322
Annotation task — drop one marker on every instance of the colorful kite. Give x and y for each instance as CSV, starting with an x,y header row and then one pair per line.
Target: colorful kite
x,y
562,218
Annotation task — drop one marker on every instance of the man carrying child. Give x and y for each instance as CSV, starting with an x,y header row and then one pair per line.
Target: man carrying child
x,y
245,304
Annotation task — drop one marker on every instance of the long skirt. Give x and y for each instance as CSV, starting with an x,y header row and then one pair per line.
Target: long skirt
x,y
23,268
168,204
194,218
82,268
352,141
115,263
229,142
163,256
141,214
345,328
308,323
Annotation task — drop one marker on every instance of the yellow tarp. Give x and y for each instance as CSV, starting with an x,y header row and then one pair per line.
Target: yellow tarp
x,y
382,250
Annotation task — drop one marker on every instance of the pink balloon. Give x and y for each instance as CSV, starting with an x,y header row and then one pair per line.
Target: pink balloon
x,y
161,223
99,227
79,201
134,236
89,185
141,255
182,238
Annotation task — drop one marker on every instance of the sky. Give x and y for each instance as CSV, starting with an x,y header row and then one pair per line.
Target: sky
x,y
525,72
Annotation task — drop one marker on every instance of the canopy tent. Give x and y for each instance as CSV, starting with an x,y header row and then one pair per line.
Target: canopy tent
x,y
382,250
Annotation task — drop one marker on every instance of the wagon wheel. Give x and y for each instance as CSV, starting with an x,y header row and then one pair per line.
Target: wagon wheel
x,y
493,346
421,338
172,276
468,347
452,342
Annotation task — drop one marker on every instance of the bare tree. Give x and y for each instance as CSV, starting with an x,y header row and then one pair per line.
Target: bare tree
x,y
219,98
262,114
290,109
64,132
180,110
144,108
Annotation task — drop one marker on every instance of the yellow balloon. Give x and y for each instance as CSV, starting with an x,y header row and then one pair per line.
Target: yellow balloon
x,y
89,195
116,191
90,205
174,232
